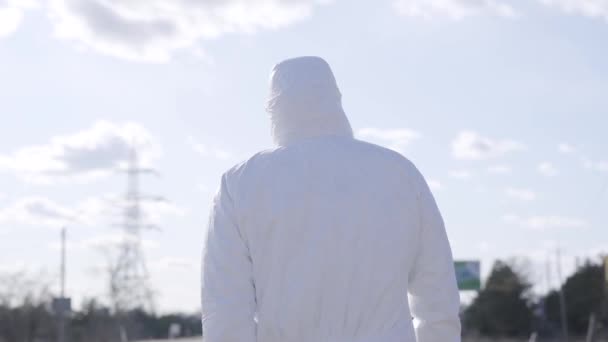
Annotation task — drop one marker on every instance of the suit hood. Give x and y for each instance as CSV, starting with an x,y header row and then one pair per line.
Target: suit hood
x,y
305,102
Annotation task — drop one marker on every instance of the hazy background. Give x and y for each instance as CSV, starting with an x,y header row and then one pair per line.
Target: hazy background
x,y
502,104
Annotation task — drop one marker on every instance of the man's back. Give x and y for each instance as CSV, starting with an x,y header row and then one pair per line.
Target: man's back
x,y
321,239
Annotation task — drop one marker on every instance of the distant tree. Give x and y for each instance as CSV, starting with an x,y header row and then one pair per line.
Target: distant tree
x,y
24,314
584,295
152,326
502,307
94,322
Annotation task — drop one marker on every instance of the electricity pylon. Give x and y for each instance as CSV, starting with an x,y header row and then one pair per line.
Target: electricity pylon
x,y
129,278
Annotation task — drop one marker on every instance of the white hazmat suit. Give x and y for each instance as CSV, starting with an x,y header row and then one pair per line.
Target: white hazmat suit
x,y
325,238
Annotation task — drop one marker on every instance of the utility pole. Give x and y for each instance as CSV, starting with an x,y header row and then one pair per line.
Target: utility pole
x,y
62,304
548,273
562,298
63,262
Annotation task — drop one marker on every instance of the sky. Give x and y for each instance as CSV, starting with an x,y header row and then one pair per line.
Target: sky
x,y
502,105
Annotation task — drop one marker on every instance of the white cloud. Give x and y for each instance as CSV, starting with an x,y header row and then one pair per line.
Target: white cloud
x,y
152,210
11,14
589,8
566,148
209,151
472,146
547,169
434,184
38,211
397,139
453,9
152,30
521,194
114,240
500,169
545,222
106,210
10,18
460,174
601,165
83,156
156,210
104,242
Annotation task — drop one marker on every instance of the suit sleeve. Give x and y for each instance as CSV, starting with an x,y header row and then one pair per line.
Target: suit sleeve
x,y
228,292
433,292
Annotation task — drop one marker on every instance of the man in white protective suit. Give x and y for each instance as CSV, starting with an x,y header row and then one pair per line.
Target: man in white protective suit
x,y
325,238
